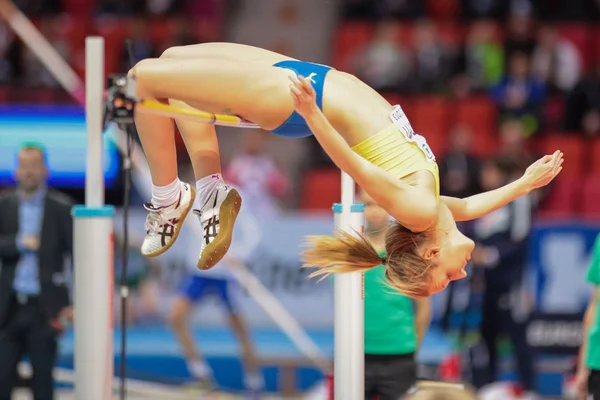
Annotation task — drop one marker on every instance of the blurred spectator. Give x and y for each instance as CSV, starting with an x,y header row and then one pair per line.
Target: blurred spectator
x,y
519,94
556,61
257,175
431,59
39,7
588,369
514,147
36,238
164,7
582,112
519,35
383,64
217,284
572,10
378,9
143,301
142,46
502,250
120,7
476,9
36,74
480,63
459,167
6,66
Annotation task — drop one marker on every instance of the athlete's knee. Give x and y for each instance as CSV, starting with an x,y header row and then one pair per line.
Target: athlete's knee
x,y
178,315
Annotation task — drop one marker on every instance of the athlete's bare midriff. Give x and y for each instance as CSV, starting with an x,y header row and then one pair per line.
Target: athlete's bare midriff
x,y
354,109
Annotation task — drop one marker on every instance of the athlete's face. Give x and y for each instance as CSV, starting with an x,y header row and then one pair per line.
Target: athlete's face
x,y
451,255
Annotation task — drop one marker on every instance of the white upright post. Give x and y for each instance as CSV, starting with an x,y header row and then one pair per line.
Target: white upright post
x,y
94,93
349,307
93,251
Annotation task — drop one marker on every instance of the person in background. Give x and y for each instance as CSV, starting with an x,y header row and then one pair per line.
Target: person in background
x,y
217,282
395,325
383,63
502,252
254,172
36,237
520,94
459,168
587,380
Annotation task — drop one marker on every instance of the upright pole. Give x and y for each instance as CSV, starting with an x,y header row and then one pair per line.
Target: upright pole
x,y
93,252
94,92
349,306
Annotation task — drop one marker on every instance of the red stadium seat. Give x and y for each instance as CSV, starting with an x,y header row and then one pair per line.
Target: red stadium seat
x,y
485,143
320,189
590,206
349,37
581,36
443,10
478,113
554,110
572,146
562,201
430,114
594,167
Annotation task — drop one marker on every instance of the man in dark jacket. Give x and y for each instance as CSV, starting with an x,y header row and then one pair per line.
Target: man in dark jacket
x,y
35,237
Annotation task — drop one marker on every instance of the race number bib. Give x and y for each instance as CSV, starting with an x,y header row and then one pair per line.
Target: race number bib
x,y
403,124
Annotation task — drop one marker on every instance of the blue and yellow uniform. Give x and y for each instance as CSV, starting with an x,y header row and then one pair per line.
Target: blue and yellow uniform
x,y
397,148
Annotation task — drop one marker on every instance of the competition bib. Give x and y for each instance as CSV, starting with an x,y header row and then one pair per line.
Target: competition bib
x,y
403,124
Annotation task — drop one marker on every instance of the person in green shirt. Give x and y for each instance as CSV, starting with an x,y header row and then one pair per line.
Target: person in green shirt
x,y
588,372
394,324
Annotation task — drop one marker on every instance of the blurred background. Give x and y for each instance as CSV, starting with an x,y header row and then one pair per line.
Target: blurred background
x,y
480,79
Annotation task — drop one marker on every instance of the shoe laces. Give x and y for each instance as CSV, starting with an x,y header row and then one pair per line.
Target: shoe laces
x,y
155,219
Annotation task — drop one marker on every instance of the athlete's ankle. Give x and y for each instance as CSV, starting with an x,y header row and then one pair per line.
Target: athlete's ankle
x,y
163,196
206,186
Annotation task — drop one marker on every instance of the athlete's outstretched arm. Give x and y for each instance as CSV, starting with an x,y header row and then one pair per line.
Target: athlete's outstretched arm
x,y
539,174
414,208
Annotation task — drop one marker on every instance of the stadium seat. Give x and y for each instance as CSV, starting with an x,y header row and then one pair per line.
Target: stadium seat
x,y
349,37
562,201
443,10
590,206
429,115
320,189
573,147
594,157
477,113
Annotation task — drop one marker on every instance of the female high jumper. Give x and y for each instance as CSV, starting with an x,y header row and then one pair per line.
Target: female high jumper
x,y
363,134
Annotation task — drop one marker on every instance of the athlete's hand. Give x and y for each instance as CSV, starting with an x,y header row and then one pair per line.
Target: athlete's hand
x,y
541,172
305,98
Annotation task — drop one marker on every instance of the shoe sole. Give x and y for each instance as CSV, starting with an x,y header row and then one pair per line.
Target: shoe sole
x,y
216,250
177,229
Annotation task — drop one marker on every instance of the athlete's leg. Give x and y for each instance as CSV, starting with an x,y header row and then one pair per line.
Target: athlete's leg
x,y
259,93
217,204
178,319
254,380
228,289
201,143
226,51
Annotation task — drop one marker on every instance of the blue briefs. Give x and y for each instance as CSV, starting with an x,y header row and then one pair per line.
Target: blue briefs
x,y
295,126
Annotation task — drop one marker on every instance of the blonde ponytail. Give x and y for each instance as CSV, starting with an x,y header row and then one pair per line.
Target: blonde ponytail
x,y
347,252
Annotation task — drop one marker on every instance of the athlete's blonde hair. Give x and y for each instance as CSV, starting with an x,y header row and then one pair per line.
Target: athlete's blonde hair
x,y
405,268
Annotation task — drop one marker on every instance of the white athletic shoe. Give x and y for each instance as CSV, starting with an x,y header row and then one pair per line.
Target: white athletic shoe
x,y
217,217
164,223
